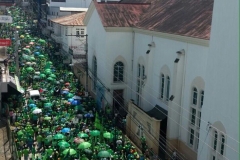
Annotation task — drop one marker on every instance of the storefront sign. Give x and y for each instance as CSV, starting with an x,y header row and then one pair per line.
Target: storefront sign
x,y
5,19
5,42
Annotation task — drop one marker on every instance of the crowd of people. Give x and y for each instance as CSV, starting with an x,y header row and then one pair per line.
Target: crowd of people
x,y
62,123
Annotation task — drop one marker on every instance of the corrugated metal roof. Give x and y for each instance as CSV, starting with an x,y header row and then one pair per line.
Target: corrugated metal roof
x,y
70,20
71,9
191,18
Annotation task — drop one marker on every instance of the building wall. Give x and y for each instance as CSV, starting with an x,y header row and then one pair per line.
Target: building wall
x,y
216,65
96,44
138,117
222,80
72,3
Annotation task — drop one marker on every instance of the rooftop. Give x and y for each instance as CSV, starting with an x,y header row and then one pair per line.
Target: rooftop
x,y
71,20
189,18
120,15
71,9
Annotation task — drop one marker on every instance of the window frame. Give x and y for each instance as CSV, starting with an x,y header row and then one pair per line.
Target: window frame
x,y
118,72
162,86
195,117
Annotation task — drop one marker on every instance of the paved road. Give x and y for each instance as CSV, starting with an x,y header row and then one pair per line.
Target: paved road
x,y
4,144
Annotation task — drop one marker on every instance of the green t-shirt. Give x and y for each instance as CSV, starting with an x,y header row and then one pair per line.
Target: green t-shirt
x,y
39,138
25,151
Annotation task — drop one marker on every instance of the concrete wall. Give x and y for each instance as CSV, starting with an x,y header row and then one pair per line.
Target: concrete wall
x,y
138,117
222,80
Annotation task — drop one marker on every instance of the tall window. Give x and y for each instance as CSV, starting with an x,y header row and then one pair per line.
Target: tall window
x,y
118,72
168,88
218,145
194,99
162,85
94,73
140,83
195,117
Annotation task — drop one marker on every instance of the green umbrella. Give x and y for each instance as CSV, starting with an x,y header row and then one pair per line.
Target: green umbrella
x,y
108,135
84,145
48,104
49,62
50,79
95,133
48,72
63,144
49,138
70,95
20,133
47,118
41,56
69,151
58,136
42,75
82,135
30,69
32,58
104,154
53,76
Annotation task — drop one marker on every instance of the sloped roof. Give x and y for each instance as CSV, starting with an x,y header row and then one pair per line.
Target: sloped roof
x,y
158,113
71,20
120,15
188,18
72,9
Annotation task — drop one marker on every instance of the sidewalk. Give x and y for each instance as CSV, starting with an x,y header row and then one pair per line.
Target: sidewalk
x,y
5,153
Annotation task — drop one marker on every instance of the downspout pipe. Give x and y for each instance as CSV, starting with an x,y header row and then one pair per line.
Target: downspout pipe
x,y
133,45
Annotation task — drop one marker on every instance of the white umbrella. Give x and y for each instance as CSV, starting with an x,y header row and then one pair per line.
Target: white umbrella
x,y
37,73
37,111
76,97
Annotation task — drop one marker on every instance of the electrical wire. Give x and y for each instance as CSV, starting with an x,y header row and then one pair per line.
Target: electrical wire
x,y
176,111
176,122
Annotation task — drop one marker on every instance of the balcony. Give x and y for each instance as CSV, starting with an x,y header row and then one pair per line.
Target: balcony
x,y
57,38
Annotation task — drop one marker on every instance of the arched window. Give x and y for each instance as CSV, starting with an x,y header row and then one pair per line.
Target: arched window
x,y
168,88
118,72
195,115
195,95
162,85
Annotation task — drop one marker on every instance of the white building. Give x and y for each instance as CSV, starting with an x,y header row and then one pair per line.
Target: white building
x,y
180,55
59,8
65,31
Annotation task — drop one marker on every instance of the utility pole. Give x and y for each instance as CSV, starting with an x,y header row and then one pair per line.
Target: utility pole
x,y
86,57
17,42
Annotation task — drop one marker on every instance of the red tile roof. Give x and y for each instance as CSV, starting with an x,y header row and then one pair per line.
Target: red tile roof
x,y
190,18
120,15
71,20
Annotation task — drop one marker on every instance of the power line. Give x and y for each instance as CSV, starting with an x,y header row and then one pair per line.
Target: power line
x,y
176,122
